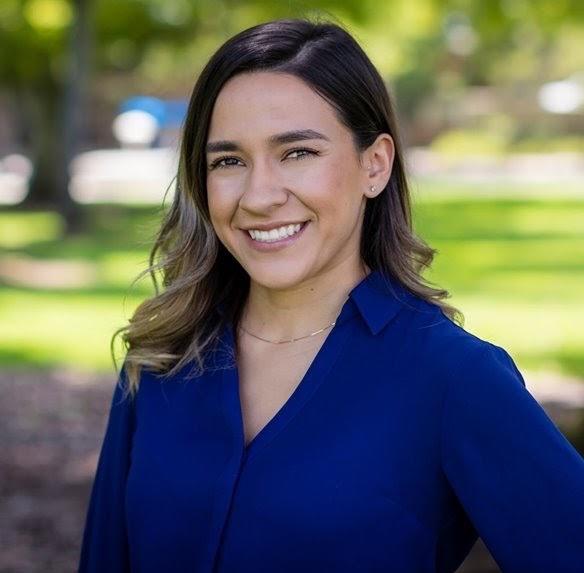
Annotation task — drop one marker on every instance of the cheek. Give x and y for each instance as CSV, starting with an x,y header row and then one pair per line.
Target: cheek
x,y
218,212
339,196
220,203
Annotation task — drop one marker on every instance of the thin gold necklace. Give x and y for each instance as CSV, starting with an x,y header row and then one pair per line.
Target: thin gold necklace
x,y
283,341
292,339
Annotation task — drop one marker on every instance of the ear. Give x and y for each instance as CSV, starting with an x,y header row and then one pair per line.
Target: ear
x,y
377,161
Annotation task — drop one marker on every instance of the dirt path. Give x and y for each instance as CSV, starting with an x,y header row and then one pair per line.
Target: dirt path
x,y
51,426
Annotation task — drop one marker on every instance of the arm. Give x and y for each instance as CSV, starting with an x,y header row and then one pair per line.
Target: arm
x,y
105,546
519,479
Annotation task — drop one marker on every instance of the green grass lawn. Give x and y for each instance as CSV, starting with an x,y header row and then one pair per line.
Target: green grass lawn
x,y
514,267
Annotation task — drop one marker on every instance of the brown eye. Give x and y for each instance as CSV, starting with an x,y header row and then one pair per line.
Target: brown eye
x,y
223,162
303,153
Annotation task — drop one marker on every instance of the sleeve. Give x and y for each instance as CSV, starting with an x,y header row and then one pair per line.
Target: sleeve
x,y
105,544
518,478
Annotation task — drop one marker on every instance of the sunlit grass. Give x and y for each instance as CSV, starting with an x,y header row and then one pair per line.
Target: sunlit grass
x,y
514,267
73,327
61,328
119,269
19,230
546,335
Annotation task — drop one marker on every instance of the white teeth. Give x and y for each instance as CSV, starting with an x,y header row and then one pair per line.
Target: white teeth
x,y
274,234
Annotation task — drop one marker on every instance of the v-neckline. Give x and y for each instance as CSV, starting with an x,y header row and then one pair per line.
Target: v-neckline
x,y
317,371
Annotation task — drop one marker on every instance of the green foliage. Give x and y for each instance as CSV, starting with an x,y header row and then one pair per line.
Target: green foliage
x,y
402,36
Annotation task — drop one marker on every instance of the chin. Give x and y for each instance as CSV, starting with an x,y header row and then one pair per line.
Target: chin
x,y
276,279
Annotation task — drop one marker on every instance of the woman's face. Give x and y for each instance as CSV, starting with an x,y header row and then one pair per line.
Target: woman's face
x,y
277,156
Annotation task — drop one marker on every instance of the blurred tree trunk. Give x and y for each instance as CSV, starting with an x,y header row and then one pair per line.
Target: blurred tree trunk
x,y
56,113
48,185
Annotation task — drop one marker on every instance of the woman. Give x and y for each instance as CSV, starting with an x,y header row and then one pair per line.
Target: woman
x,y
298,399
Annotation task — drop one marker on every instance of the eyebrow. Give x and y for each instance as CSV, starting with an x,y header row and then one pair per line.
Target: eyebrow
x,y
278,139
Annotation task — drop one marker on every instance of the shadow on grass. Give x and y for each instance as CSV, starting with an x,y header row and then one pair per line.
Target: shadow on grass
x,y
110,228
501,220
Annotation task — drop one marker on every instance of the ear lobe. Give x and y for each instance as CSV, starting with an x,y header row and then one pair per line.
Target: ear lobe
x,y
381,156
374,191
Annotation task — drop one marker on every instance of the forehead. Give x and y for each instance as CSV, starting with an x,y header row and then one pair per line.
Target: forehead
x,y
262,103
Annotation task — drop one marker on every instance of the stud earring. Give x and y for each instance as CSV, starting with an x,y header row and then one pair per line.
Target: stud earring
x,y
372,188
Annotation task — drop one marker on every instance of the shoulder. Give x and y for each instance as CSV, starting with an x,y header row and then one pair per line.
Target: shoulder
x,y
448,353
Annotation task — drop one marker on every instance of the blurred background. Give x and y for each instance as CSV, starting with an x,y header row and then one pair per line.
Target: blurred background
x,y
92,97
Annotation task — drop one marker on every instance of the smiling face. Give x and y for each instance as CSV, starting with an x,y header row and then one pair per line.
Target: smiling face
x,y
277,154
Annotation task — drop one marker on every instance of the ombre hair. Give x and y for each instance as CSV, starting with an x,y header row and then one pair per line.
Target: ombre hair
x,y
182,321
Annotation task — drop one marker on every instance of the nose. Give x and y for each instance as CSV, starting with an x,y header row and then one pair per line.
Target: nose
x,y
262,190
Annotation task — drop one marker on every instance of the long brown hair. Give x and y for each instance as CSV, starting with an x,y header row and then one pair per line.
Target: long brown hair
x,y
181,321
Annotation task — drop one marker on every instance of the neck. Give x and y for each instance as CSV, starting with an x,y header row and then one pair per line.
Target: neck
x,y
285,314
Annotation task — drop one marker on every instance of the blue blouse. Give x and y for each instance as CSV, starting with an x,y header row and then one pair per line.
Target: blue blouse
x,y
407,437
